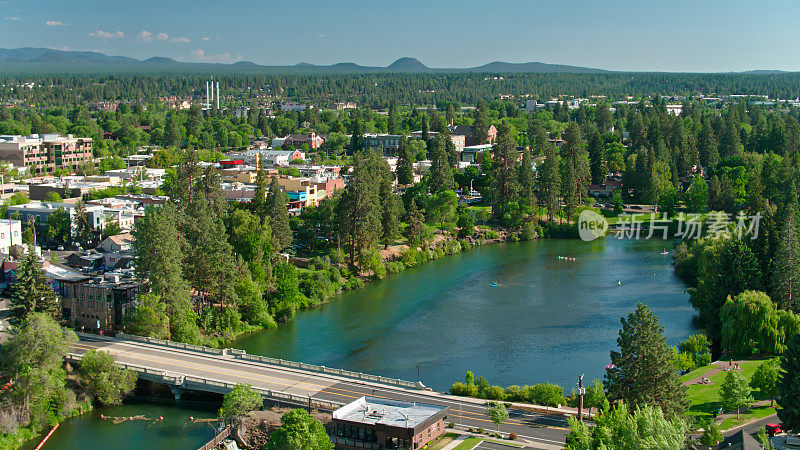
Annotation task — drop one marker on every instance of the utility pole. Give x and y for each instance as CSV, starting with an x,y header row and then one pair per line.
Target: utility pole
x,y
417,373
581,392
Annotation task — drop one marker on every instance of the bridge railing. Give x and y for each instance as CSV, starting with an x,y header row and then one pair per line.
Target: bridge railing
x,y
301,400
181,345
241,354
164,375
329,370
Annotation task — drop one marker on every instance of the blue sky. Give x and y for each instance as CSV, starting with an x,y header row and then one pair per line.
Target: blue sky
x,y
676,35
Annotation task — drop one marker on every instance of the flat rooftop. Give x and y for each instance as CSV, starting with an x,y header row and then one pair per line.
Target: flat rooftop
x,y
393,413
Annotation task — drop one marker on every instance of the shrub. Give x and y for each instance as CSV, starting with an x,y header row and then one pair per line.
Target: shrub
x,y
712,435
546,394
494,393
451,425
412,257
516,393
395,267
512,436
353,283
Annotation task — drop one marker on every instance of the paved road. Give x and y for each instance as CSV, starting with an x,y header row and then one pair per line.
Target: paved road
x,y
536,428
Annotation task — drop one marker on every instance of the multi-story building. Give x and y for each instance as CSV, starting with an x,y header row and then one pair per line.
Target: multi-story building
x,y
43,153
312,139
386,143
99,303
10,234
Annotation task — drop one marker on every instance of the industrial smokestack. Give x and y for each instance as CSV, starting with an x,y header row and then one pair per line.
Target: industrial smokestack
x,y
217,94
208,101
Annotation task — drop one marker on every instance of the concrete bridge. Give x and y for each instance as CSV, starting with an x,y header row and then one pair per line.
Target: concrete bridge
x,y
187,367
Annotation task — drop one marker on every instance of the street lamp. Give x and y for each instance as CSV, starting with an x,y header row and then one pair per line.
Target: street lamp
x,y
417,373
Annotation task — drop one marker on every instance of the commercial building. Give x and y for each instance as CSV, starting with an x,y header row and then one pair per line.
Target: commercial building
x,y
379,423
43,153
99,303
386,143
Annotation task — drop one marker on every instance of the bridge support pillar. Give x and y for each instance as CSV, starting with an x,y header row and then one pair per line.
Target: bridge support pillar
x,y
177,391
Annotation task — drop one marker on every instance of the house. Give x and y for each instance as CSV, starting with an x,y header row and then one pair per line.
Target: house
x,y
280,157
312,139
117,243
371,422
474,153
469,134
386,143
294,106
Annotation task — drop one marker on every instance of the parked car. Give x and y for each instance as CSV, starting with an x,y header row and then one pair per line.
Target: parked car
x,y
772,429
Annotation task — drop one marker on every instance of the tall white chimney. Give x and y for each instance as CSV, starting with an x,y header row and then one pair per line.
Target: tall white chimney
x,y
217,94
208,101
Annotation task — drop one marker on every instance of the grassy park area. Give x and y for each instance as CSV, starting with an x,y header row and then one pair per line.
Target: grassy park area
x,y
705,397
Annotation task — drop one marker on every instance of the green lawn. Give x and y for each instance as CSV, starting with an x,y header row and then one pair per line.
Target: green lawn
x,y
705,398
472,441
696,372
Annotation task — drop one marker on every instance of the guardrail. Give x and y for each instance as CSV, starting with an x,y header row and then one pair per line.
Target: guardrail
x,y
241,354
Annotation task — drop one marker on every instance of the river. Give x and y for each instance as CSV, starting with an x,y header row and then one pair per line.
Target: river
x,y
548,320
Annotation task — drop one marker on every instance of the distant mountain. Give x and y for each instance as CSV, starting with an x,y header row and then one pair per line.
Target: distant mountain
x,y
159,60
408,65
31,59
533,67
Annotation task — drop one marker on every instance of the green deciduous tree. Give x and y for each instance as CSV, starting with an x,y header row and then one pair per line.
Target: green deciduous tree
x,y
617,429
751,324
299,430
645,372
149,317
765,379
697,195
241,400
103,380
59,226
498,413
735,392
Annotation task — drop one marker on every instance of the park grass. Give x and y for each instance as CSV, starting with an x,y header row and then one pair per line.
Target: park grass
x,y
754,413
705,398
696,373
475,440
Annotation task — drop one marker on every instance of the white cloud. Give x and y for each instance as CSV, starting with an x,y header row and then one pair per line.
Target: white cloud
x,y
13,18
206,38
56,23
145,36
201,56
321,35
107,34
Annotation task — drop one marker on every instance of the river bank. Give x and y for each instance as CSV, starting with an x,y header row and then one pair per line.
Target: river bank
x,y
548,319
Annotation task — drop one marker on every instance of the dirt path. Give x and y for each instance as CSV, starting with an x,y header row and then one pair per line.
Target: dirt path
x,y
719,366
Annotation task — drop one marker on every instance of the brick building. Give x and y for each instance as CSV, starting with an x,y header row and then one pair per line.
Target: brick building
x,y
379,423
43,153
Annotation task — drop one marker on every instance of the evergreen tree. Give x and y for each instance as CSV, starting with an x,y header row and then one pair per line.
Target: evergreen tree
x,y
392,119
527,178
789,386
504,170
575,170
441,173
480,124
405,164
550,180
597,164
357,135
785,280
415,222
645,372
360,210
259,198
391,212
30,291
278,214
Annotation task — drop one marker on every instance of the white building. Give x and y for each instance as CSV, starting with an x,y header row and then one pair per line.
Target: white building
x,y
10,234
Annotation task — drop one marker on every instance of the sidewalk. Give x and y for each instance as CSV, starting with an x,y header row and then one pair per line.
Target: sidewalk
x,y
719,366
461,438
